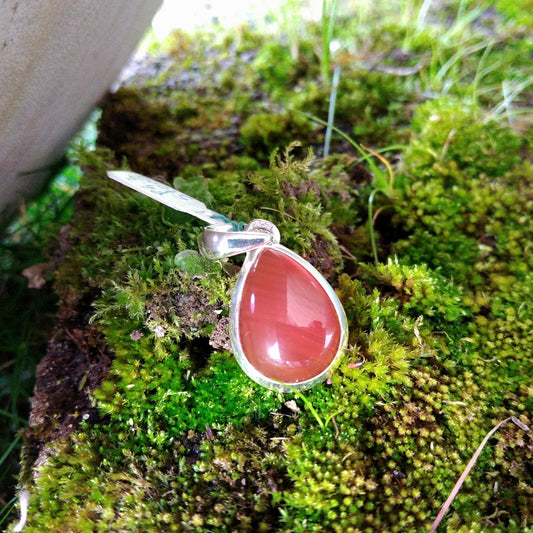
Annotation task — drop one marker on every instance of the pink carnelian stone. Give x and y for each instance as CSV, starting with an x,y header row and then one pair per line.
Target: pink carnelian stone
x,y
289,329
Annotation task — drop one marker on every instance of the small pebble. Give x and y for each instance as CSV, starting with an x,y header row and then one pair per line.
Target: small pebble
x,y
136,335
160,331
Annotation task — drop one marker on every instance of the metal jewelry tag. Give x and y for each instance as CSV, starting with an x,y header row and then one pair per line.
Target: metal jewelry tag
x,y
166,195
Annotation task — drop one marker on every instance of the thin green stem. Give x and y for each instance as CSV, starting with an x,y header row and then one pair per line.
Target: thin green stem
x,y
329,13
371,225
510,91
11,447
308,404
421,18
13,416
480,72
6,510
462,53
331,110
373,167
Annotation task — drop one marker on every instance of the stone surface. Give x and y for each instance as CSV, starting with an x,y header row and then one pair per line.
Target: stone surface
x,y
289,329
57,59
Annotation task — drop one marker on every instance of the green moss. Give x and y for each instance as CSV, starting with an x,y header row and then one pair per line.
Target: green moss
x,y
423,292
375,104
276,65
447,130
123,487
264,132
518,11
462,195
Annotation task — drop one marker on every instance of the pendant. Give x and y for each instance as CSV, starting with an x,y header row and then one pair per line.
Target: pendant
x,y
287,325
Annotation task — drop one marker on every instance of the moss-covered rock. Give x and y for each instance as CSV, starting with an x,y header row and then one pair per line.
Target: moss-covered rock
x,y
172,435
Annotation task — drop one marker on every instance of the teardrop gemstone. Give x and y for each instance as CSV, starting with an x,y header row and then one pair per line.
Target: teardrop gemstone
x,y
288,327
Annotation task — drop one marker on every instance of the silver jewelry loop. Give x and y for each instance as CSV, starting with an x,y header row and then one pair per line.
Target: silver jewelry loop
x,y
221,240
264,226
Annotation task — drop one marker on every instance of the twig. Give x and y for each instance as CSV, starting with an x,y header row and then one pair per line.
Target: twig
x,y
7,364
347,252
337,433
376,214
469,466
400,71
417,335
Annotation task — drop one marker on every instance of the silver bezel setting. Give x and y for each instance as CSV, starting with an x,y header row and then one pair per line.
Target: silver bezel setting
x,y
243,361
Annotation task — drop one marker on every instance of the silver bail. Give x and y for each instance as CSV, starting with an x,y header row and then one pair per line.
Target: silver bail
x,y
221,240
